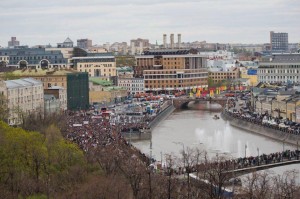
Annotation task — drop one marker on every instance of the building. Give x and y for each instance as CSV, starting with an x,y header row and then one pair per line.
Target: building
x,y
13,42
280,68
171,70
104,93
68,43
24,96
78,91
220,76
77,98
137,46
24,57
250,74
279,42
84,43
98,66
133,85
57,99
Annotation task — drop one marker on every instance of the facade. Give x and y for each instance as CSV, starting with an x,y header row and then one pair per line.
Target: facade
x,y
219,76
84,43
57,96
78,91
24,96
103,93
171,70
137,46
283,68
24,57
279,42
133,85
97,66
13,42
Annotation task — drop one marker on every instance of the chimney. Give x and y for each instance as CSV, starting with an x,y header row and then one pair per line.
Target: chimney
x,y
179,40
165,40
172,41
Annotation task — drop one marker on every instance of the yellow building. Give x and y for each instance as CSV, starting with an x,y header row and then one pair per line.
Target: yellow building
x,y
218,76
48,77
98,66
103,92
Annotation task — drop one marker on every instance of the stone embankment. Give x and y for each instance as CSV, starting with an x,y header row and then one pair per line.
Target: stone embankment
x,y
261,130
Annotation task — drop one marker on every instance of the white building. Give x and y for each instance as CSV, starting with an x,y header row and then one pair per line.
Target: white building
x,y
55,99
24,96
133,85
284,68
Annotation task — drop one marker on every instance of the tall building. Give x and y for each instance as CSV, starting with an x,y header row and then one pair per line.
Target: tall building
x,y
284,68
13,42
84,43
279,42
171,70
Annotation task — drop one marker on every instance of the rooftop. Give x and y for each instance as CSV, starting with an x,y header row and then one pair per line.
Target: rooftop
x,y
99,81
41,72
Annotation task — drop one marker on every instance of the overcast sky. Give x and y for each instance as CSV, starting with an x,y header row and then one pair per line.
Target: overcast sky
x,y
225,21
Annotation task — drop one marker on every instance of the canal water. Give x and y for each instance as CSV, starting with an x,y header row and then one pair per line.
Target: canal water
x,y
195,127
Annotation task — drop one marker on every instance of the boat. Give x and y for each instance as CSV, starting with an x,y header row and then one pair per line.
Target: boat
x,y
216,117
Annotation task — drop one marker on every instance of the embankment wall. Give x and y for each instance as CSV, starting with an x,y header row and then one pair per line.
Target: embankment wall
x,y
261,130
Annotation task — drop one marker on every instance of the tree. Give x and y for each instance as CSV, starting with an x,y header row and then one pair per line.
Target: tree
x,y
3,108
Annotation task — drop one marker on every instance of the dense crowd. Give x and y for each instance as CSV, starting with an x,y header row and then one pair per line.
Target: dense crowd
x,y
267,121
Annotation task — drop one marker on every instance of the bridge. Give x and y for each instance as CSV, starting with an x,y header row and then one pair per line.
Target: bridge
x,y
182,102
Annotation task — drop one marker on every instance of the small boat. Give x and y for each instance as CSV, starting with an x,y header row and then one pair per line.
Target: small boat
x,y
216,117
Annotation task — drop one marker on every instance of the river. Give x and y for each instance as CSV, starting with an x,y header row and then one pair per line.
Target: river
x,y
197,128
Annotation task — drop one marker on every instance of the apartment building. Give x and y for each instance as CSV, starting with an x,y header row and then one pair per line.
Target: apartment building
x,y
281,68
133,85
23,96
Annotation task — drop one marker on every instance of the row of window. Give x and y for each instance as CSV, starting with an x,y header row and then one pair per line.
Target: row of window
x,y
279,77
93,65
278,71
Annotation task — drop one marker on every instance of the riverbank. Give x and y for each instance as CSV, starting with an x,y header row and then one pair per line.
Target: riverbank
x,y
261,130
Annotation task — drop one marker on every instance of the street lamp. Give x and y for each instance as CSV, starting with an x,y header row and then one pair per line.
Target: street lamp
x,y
258,156
245,150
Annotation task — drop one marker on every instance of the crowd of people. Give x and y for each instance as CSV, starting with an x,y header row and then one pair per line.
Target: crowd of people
x,y
267,121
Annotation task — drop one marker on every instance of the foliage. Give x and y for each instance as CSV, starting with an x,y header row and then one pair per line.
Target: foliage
x,y
30,160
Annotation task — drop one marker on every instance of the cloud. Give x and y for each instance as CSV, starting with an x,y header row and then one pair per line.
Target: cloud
x,y
40,21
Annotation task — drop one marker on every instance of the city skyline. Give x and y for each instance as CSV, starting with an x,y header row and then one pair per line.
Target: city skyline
x,y
232,21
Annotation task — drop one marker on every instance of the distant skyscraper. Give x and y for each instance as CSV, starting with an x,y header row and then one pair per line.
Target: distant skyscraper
x,y
84,43
279,42
13,42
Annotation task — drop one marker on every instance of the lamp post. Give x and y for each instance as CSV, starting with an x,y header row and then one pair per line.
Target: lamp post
x,y
245,150
258,156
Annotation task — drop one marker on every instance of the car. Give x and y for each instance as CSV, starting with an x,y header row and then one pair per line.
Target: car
x,y
118,104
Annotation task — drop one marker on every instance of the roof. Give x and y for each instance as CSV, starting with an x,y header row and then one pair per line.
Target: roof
x,y
99,81
282,58
24,82
41,72
111,88
55,87
68,40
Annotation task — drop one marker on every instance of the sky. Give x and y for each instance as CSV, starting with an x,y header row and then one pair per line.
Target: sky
x,y
40,22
